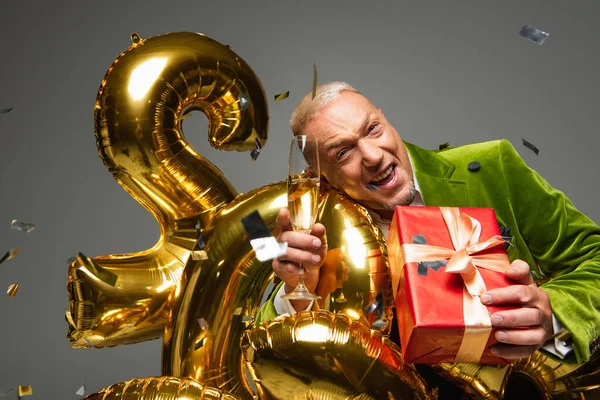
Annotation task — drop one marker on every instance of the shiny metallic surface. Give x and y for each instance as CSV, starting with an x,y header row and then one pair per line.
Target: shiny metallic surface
x,y
230,284
160,388
540,374
326,355
145,94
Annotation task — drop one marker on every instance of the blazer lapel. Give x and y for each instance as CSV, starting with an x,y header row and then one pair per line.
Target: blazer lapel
x,y
434,176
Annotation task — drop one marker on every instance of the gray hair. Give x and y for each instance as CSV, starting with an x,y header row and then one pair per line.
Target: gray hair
x,y
309,108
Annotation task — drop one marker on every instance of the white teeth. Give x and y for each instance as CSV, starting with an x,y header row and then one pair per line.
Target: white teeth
x,y
384,174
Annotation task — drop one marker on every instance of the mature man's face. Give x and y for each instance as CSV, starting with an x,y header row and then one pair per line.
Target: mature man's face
x,y
361,154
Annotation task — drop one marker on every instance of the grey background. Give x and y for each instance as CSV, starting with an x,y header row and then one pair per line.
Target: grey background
x,y
441,71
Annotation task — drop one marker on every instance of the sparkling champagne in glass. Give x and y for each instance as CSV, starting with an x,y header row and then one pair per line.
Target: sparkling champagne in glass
x,y
303,197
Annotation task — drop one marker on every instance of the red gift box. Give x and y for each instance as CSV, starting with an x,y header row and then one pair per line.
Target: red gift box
x,y
440,316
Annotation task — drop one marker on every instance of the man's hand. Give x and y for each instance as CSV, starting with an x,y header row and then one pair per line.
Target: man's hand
x,y
535,314
308,250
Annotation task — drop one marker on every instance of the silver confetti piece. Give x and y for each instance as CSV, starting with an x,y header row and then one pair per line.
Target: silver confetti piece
x,y
5,110
268,248
257,148
534,34
244,102
530,146
21,226
199,344
80,391
203,324
71,260
371,187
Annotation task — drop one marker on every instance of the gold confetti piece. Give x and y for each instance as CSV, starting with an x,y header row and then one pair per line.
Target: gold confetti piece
x,y
80,391
237,311
12,253
315,79
21,226
135,38
13,289
24,391
444,145
71,260
282,96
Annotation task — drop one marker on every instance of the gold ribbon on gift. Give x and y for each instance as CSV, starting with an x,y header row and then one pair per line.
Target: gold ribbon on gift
x,y
465,231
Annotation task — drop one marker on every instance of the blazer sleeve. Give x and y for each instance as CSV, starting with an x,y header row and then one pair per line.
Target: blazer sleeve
x,y
564,242
267,311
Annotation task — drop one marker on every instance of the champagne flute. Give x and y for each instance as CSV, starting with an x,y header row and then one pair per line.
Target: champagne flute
x,y
303,198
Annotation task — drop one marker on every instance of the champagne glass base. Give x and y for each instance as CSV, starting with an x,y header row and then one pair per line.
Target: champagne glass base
x,y
300,293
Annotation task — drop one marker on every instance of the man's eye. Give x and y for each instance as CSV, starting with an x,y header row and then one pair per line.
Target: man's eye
x,y
341,154
373,127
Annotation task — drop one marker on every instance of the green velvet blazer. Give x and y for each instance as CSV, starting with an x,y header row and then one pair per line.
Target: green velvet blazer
x,y
559,243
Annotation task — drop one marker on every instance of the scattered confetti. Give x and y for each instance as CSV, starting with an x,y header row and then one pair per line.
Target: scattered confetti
x,y
203,324
199,344
21,226
24,391
530,146
265,246
5,110
244,102
256,152
315,79
198,253
237,311
282,96
71,260
80,391
444,145
247,318
12,290
255,226
12,253
380,323
534,34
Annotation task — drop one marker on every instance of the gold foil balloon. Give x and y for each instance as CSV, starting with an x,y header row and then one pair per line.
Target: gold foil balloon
x,y
535,377
160,388
321,355
218,297
357,262
121,298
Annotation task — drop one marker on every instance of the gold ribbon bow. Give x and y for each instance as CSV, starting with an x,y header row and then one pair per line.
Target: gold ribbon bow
x,y
464,232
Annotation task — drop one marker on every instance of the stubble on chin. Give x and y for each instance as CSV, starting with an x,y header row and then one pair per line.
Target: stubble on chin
x,y
405,200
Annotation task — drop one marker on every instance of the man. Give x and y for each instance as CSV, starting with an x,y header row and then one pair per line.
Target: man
x,y
361,154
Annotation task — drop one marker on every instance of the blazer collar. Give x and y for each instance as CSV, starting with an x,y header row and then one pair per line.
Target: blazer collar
x,y
434,174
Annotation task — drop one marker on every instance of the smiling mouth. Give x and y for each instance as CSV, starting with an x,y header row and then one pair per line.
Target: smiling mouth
x,y
384,178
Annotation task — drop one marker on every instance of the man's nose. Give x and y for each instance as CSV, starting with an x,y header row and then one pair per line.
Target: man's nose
x,y
371,154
